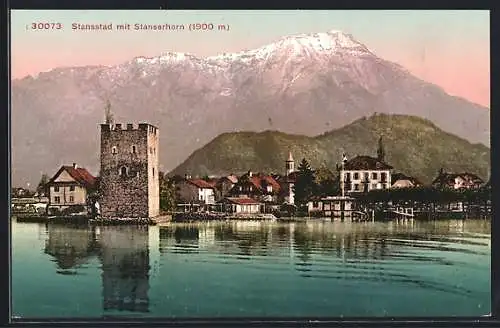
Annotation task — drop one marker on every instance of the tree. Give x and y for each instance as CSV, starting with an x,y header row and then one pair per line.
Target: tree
x,y
42,187
167,193
108,113
305,185
326,181
380,150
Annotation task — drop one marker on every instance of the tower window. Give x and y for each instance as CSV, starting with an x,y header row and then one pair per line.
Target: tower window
x,y
153,171
134,149
114,150
123,171
150,150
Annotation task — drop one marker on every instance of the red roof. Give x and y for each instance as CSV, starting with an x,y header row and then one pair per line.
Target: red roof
x,y
259,181
79,174
243,201
200,183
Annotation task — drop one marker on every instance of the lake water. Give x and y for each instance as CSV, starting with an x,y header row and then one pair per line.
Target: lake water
x,y
247,269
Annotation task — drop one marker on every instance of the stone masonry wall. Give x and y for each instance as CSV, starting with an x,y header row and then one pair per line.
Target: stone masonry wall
x,y
154,174
124,195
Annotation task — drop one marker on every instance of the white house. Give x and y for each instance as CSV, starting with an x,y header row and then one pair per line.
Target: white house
x,y
400,180
365,173
241,205
196,191
69,187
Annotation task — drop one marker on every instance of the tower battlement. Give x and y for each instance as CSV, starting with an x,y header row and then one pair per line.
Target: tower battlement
x,y
129,127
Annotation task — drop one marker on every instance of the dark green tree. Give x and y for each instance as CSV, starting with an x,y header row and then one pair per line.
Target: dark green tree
x,y
380,150
168,195
305,185
326,181
42,187
108,114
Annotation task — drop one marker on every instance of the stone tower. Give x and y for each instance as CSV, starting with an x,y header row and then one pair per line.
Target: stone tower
x,y
129,178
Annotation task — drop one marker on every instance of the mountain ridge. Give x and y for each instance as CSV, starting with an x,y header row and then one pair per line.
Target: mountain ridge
x,y
55,116
406,141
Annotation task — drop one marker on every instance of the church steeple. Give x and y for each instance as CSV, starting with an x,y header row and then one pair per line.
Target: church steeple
x,y
290,164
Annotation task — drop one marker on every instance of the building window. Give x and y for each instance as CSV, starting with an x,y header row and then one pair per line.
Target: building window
x,y
201,197
134,149
315,204
367,175
356,176
374,186
374,175
384,186
347,177
153,172
57,199
123,171
56,189
72,188
114,150
71,199
356,186
383,176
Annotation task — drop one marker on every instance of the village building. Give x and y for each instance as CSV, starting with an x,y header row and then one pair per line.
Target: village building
x,y
241,205
400,180
224,185
465,180
365,173
334,207
196,191
261,187
130,186
69,188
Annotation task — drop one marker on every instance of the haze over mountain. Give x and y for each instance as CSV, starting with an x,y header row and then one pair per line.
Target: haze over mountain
x,y
302,84
413,146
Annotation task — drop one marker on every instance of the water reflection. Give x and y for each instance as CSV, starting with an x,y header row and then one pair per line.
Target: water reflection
x,y
407,253
352,253
70,247
125,268
124,256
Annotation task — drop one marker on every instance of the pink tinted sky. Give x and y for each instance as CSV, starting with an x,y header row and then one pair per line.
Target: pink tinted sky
x,y
448,48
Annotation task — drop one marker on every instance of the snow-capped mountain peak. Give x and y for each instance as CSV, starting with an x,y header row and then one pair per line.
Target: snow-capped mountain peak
x,y
323,42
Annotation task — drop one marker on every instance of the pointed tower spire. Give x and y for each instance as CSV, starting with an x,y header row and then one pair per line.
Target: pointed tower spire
x,y
290,164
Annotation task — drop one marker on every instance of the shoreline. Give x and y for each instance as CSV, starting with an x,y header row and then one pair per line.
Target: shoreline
x,y
216,217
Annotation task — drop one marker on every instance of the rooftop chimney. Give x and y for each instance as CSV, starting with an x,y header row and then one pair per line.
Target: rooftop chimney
x,y
75,166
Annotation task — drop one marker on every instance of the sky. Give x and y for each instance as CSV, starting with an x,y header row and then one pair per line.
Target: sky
x,y
448,48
